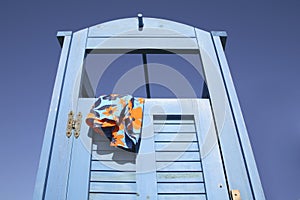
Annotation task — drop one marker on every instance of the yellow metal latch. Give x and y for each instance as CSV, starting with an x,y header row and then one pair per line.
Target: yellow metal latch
x,y
235,195
74,124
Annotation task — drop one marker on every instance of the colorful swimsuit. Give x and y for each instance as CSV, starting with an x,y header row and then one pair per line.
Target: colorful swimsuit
x,y
119,118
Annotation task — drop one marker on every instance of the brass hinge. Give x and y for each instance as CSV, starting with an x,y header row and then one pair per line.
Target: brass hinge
x,y
235,195
74,124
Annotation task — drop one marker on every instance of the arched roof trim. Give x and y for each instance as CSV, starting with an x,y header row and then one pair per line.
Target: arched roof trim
x,y
153,27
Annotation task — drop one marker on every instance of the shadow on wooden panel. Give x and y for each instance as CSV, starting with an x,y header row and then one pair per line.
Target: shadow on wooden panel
x,y
102,151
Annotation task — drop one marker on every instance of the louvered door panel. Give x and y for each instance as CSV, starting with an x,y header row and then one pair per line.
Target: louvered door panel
x,y
178,164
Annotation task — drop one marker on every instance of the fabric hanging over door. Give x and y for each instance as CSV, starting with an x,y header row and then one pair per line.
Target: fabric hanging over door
x,y
119,118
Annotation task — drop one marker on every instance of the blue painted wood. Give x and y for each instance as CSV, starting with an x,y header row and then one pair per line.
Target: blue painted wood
x,y
152,28
60,158
182,197
212,165
142,43
112,187
79,175
111,166
239,120
42,173
178,166
110,196
108,176
178,146
231,150
146,169
214,178
180,177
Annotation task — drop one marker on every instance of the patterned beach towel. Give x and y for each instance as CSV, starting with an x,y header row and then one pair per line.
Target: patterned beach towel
x,y
119,118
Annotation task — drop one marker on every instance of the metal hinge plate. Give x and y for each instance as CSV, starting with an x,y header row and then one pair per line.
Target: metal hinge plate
x,y
73,124
69,124
235,195
77,125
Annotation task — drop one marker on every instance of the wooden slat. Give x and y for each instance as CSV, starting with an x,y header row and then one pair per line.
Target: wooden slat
x,y
177,156
118,155
113,176
186,188
187,137
97,196
178,166
113,187
142,43
178,146
111,165
179,177
182,197
174,128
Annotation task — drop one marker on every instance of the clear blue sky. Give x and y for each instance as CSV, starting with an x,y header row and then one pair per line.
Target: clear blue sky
x,y
262,50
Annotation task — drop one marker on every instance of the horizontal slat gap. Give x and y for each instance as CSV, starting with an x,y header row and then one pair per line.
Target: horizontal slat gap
x,y
91,50
100,170
110,171
181,193
158,132
179,160
176,151
175,141
112,181
115,150
181,182
172,123
112,192
177,171
111,151
173,117
110,160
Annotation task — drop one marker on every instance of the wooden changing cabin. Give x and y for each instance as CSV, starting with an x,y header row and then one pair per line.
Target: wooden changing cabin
x,y
194,143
